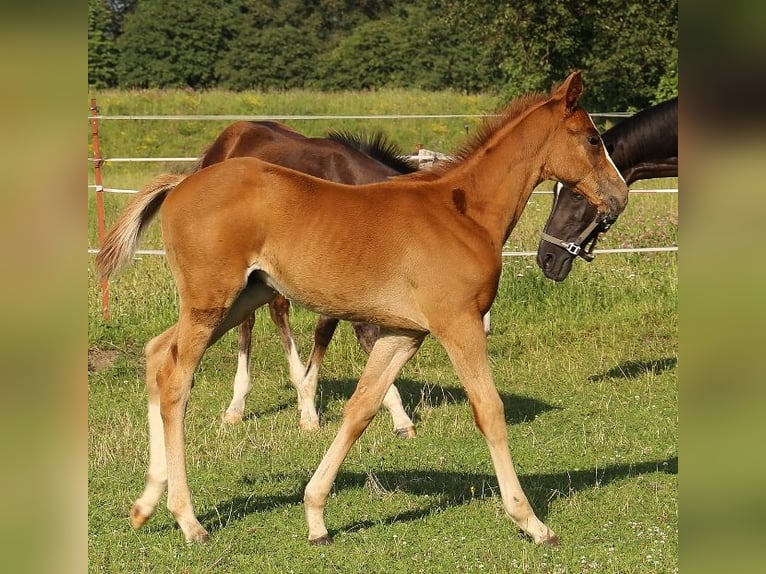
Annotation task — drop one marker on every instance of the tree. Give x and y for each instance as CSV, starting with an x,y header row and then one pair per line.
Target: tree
x,y
413,46
624,47
273,46
102,47
668,85
627,49
174,43
632,50
272,58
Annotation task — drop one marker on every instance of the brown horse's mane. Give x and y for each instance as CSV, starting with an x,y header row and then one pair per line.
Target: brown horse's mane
x,y
377,146
484,132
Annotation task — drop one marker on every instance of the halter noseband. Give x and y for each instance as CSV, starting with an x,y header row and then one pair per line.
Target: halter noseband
x,y
583,245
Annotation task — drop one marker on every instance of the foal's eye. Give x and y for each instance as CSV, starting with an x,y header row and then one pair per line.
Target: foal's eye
x,y
594,140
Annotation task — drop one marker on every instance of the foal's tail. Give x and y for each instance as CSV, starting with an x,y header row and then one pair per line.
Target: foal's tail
x,y
121,241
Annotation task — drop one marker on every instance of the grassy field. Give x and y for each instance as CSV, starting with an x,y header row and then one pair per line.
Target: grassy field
x,y
587,369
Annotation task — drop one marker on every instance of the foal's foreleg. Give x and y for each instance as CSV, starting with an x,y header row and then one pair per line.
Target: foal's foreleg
x,y
389,355
367,334
467,348
242,380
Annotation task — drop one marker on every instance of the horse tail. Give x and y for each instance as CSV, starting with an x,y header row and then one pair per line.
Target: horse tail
x,y
121,241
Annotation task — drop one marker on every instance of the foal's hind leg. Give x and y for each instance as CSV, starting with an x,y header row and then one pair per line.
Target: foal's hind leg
x,y
242,380
174,379
157,473
171,358
367,334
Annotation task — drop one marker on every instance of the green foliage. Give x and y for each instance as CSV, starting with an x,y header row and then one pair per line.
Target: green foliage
x,y
414,47
630,56
668,85
274,58
174,43
102,47
626,48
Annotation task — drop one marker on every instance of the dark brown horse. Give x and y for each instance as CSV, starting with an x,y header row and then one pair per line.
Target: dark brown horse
x,y
343,158
643,146
423,256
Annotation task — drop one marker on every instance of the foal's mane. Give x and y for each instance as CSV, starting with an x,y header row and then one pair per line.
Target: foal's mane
x,y
377,146
487,129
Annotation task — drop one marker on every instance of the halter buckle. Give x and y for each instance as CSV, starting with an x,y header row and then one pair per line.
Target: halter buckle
x,y
573,248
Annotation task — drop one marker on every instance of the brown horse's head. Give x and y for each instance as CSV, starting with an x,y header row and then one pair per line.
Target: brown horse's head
x,y
577,156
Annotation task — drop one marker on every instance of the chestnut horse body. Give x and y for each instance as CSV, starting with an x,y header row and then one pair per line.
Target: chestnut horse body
x,y
415,255
643,146
342,158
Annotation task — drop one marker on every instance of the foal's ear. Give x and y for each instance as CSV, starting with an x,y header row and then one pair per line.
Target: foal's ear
x,y
572,89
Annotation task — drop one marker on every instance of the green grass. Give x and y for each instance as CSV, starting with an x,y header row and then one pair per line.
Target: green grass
x,y
587,370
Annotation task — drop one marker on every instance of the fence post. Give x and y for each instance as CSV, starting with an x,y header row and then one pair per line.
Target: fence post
x,y
97,162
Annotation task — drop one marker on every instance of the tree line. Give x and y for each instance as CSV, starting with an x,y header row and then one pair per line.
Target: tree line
x,y
627,49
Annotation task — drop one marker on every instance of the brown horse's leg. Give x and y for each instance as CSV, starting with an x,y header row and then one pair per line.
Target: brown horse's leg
x,y
403,425
367,334
466,346
242,380
388,356
307,388
157,473
279,308
487,323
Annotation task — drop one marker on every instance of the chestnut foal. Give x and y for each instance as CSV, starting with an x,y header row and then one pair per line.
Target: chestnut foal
x,y
241,231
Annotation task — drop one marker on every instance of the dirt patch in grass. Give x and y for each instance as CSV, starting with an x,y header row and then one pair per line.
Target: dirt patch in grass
x,y
101,359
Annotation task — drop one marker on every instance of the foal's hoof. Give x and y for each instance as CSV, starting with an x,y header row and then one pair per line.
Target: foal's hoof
x,y
200,536
232,417
406,432
552,540
321,541
137,516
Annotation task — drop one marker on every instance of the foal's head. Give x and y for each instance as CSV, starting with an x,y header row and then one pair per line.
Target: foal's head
x,y
577,156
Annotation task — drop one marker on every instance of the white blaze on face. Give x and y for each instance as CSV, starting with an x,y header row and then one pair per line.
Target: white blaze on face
x,y
606,152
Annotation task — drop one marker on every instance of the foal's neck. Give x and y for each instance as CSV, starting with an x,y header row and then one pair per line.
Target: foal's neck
x,y
499,178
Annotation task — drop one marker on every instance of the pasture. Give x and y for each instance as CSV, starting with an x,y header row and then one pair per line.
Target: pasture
x,y
587,370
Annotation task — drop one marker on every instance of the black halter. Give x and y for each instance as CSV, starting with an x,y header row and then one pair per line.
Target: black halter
x,y
583,245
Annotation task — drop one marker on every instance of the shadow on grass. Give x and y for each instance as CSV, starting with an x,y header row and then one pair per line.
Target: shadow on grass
x,y
518,409
450,489
635,369
443,489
